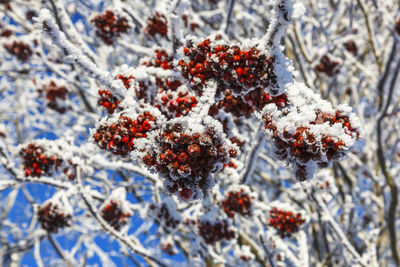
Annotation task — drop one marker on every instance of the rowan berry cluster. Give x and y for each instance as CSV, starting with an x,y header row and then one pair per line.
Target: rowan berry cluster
x,y
55,95
118,137
237,202
164,215
108,101
114,214
19,49
52,218
304,146
327,66
37,163
213,232
285,222
6,33
351,47
157,24
110,26
161,60
187,160
176,104
232,67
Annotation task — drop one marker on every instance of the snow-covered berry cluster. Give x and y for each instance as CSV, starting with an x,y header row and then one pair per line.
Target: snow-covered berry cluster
x,y
175,103
237,202
309,133
56,96
213,232
108,101
115,210
327,66
110,26
165,213
20,50
351,47
118,137
285,222
233,67
162,60
37,162
157,24
187,158
53,215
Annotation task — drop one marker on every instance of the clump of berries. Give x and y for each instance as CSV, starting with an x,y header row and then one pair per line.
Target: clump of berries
x,y
114,214
19,49
126,80
118,137
164,215
303,146
285,222
237,202
176,104
110,26
351,47
161,60
51,217
55,95
240,70
157,24
108,101
213,232
327,66
37,163
187,160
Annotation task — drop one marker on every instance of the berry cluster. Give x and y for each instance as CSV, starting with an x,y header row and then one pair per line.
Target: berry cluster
x,y
176,104
157,24
303,146
245,105
163,215
161,60
114,215
126,80
327,66
214,232
6,33
108,101
110,26
351,47
19,49
285,222
36,163
52,218
54,95
239,202
187,160
119,137
233,68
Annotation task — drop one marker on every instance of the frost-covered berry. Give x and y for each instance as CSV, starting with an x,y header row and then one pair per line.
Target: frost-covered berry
x,y
55,95
237,202
108,101
37,163
6,33
157,24
285,222
239,70
53,216
20,50
110,26
118,137
213,232
327,66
